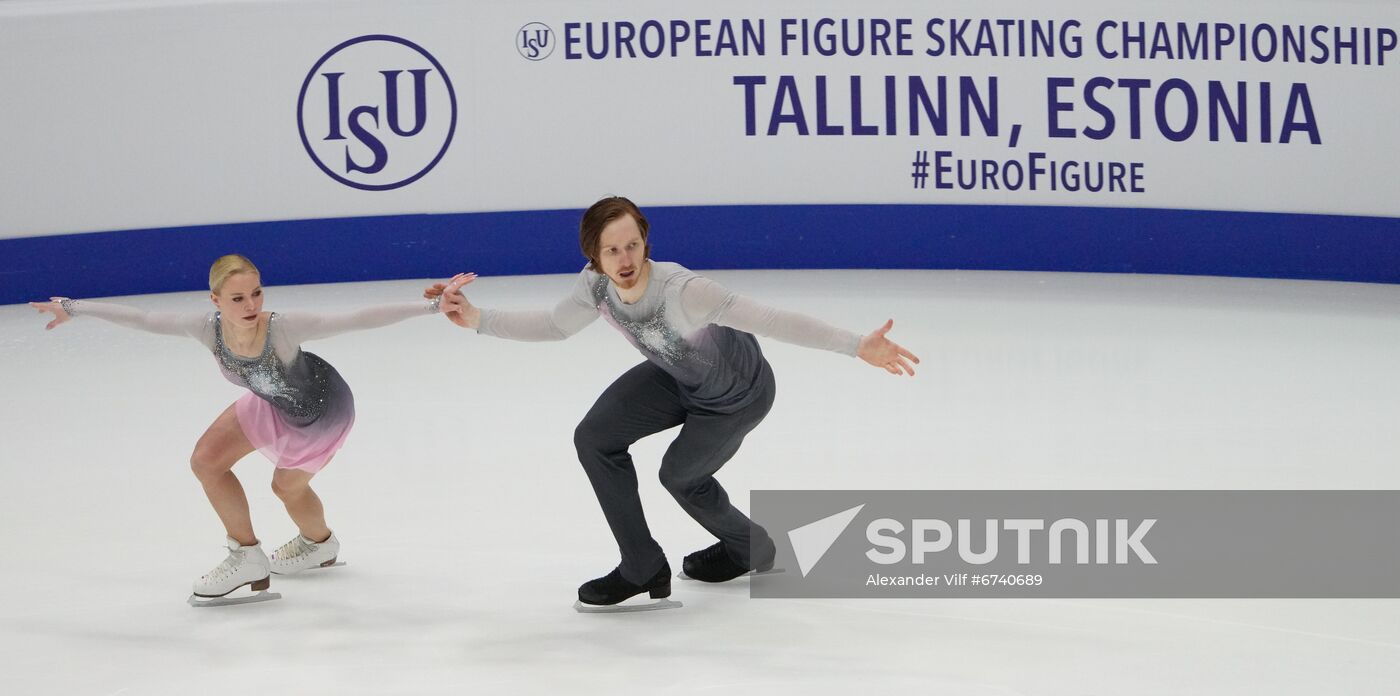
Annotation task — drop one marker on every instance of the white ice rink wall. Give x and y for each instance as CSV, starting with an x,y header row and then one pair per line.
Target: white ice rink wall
x,y
354,140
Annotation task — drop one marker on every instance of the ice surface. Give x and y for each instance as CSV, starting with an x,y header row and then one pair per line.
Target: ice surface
x,y
468,523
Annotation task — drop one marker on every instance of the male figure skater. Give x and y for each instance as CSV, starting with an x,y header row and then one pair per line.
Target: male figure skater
x,y
703,371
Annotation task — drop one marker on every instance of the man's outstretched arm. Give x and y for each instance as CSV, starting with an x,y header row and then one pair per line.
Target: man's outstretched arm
x,y
566,319
709,302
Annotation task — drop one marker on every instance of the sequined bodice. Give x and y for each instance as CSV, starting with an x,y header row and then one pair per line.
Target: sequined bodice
x,y
298,390
716,366
651,332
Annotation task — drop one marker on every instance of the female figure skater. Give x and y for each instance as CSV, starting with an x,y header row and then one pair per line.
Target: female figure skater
x,y
298,411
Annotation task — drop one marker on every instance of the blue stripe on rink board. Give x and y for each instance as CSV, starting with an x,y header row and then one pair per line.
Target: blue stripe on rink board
x,y
976,237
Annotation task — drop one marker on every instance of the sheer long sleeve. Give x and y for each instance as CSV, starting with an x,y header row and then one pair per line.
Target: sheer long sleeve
x,y
706,302
165,323
297,327
566,319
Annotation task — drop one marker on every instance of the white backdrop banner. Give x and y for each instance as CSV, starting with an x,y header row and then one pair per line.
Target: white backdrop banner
x,y
127,115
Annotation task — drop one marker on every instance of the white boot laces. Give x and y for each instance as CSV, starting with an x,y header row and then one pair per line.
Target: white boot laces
x,y
225,569
295,548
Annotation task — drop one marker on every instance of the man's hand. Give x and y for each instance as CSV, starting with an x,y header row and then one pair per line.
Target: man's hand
x,y
454,305
882,352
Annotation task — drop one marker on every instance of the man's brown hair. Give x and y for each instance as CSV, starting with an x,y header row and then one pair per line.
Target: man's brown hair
x,y
598,215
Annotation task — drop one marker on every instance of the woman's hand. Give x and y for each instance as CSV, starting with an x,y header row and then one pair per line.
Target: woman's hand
x,y
453,304
55,307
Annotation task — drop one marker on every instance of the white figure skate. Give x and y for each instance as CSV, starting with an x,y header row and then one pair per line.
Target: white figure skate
x,y
302,554
244,566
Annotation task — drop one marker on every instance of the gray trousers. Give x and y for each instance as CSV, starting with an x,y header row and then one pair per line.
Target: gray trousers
x,y
643,401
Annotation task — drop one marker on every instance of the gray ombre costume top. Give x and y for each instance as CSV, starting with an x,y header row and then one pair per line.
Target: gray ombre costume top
x,y
303,388
688,325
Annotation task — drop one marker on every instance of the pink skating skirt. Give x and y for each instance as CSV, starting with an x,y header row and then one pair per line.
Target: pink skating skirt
x,y
289,447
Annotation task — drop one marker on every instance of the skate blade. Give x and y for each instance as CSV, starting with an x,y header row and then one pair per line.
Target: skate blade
x,y
328,564
751,573
226,601
582,608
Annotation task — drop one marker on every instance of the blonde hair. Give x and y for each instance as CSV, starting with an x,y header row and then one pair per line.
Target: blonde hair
x,y
226,266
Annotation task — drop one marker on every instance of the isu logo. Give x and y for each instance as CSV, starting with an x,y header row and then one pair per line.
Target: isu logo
x,y
535,41
376,112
